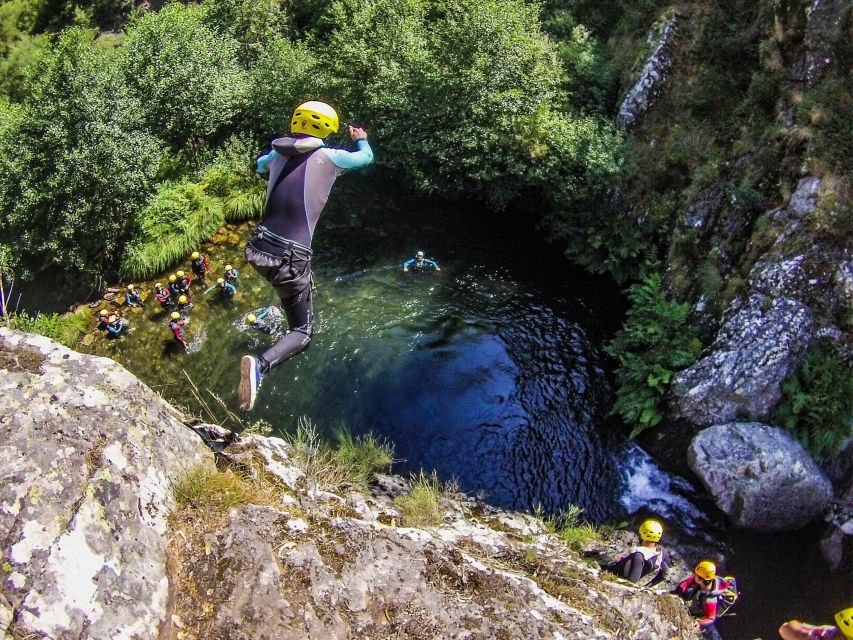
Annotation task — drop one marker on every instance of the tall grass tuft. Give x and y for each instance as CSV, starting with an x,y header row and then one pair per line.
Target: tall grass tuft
x,y
569,527
363,455
206,488
64,328
242,193
420,506
180,217
319,464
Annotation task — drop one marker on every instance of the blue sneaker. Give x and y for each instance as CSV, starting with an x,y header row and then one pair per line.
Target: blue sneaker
x,y
250,380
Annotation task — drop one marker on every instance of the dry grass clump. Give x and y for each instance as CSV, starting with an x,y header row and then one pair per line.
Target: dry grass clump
x,y
420,506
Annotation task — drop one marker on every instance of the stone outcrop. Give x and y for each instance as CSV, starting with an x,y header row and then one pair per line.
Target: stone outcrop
x,y
760,343
759,476
640,96
86,458
96,548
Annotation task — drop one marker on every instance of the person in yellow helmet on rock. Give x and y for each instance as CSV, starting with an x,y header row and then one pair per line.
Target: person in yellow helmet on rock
x,y
301,170
843,629
648,558
709,596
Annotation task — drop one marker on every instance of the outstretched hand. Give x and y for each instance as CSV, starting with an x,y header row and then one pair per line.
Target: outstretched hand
x,y
357,133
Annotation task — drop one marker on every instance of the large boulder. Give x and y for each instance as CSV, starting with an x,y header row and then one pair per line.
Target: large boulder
x,y
759,476
761,342
86,456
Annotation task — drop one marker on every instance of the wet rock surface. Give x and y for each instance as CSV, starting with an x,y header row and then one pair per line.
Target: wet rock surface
x,y
85,463
95,547
759,476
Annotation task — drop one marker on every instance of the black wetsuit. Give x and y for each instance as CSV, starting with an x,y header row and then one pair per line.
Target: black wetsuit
x,y
301,174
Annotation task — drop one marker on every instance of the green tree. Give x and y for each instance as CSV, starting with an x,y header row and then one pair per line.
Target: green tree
x,y
76,164
186,75
251,23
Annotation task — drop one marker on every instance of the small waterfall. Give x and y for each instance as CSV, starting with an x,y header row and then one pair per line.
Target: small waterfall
x,y
648,487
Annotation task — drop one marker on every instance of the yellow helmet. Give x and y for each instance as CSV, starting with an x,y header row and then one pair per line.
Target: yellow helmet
x,y
172,278
182,299
706,570
220,281
181,274
104,312
228,267
130,287
844,621
651,530
251,319
175,315
314,118
112,318
158,285
196,255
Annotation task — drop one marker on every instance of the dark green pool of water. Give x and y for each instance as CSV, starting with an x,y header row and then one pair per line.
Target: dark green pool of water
x,y
486,372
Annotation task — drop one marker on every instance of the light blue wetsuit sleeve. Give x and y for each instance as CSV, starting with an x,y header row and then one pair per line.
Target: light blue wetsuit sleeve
x,y
409,263
263,314
230,288
263,161
431,263
209,289
351,160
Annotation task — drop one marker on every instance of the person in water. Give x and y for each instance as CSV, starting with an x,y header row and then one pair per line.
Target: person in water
x,y
266,320
199,265
183,282
843,629
174,288
103,319
224,288
302,170
420,262
162,295
705,594
133,298
116,325
176,326
646,559
230,275
185,305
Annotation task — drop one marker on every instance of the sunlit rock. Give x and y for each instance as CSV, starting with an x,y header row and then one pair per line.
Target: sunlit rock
x,y
760,477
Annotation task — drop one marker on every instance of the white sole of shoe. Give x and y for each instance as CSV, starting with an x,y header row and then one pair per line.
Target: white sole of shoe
x,y
247,390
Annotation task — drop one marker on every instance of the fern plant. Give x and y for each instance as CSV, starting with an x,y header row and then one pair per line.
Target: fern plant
x,y
655,341
817,401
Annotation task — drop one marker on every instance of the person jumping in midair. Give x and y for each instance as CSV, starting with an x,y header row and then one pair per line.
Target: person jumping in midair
x,y
301,172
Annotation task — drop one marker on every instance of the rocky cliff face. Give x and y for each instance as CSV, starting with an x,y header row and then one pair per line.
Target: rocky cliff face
x,y
95,547
760,243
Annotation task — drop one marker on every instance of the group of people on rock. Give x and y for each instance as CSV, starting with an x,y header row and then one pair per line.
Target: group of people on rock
x,y
175,297
709,595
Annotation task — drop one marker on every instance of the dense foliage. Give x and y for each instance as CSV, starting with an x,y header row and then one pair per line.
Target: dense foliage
x,y
817,405
461,97
655,342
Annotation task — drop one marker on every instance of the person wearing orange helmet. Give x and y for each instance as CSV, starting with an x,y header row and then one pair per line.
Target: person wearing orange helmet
x,y
842,630
302,170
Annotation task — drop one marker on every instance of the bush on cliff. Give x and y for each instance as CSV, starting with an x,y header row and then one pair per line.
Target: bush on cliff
x,y
817,401
655,341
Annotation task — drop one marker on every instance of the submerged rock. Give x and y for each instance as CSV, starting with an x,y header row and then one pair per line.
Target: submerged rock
x,y
760,477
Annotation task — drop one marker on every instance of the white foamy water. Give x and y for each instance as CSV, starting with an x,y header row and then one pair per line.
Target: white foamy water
x,y
647,486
